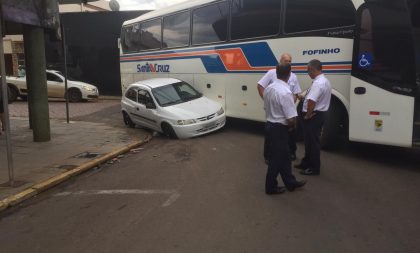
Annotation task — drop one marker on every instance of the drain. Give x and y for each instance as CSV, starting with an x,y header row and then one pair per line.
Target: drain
x,y
87,155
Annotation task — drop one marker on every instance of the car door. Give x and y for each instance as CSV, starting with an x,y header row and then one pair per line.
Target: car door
x,y
146,109
130,104
55,85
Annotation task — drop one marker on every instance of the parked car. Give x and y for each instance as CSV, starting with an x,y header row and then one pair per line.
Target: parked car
x,y
77,91
172,107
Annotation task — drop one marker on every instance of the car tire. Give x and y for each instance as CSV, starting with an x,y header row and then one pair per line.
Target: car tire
x,y
75,95
13,93
169,131
127,120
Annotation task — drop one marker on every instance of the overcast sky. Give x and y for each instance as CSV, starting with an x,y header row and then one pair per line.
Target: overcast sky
x,y
146,4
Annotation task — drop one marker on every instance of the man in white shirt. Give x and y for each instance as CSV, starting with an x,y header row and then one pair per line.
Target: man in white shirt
x,y
315,106
281,117
294,87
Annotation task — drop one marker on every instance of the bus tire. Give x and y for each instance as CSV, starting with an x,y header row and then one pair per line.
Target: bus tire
x,y
127,120
335,125
169,131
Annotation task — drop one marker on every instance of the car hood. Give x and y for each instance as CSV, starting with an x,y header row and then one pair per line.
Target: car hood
x,y
194,109
79,84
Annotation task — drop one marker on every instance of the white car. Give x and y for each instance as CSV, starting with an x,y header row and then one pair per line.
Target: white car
x,y
78,91
172,107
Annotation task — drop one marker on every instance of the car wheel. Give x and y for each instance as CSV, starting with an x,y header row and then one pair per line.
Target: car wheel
x,y
75,95
13,94
169,131
127,120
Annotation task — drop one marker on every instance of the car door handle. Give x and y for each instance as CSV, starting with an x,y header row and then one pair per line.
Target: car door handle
x,y
359,90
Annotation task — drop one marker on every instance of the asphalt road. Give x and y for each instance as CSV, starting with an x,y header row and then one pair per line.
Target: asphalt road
x,y
207,195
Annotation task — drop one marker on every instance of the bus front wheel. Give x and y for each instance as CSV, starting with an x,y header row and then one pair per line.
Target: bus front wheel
x,y
335,125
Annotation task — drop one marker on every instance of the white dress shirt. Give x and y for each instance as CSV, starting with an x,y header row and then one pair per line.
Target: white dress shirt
x,y
271,76
320,93
278,103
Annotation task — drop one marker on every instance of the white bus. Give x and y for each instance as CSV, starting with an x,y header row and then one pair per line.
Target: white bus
x,y
370,50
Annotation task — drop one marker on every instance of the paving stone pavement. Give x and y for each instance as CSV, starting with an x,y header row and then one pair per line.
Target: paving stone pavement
x,y
57,108
34,162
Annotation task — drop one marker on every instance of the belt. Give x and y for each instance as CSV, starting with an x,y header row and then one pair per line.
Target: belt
x,y
276,124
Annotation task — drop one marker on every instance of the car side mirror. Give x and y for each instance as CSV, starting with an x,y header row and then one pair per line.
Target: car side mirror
x,y
150,105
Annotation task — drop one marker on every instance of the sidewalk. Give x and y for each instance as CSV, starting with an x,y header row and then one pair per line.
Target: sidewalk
x,y
37,162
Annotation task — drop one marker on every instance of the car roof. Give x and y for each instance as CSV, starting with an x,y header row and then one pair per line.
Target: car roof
x,y
156,82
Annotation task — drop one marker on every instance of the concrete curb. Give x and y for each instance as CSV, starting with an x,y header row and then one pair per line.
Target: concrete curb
x,y
53,181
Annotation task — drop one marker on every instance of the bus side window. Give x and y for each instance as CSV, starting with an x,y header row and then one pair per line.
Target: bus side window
x,y
310,15
255,18
210,23
150,37
176,30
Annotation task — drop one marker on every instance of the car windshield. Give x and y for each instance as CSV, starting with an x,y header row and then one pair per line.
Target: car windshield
x,y
175,93
69,78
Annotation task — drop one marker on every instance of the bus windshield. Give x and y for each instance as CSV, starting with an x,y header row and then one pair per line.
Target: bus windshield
x,y
175,93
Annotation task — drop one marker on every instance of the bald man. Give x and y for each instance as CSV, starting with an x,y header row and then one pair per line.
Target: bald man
x,y
294,87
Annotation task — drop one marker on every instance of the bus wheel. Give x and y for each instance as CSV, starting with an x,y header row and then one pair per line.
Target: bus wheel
x,y
168,131
127,120
334,125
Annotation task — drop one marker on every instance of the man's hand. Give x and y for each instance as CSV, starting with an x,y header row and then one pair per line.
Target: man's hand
x,y
309,115
310,110
291,123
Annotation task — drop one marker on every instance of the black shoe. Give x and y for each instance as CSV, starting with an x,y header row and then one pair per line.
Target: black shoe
x,y
300,166
278,190
293,157
309,172
298,184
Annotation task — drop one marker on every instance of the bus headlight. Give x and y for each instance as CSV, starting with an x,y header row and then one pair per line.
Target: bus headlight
x,y
186,122
220,112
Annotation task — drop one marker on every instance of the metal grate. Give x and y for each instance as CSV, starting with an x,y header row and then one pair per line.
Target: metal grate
x,y
209,117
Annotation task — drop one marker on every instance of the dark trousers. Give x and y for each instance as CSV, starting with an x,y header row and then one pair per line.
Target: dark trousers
x,y
292,144
278,156
312,134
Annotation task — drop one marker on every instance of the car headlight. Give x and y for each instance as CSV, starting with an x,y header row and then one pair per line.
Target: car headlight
x,y
88,88
220,112
186,122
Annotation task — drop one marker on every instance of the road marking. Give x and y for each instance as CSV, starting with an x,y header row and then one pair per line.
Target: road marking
x,y
173,195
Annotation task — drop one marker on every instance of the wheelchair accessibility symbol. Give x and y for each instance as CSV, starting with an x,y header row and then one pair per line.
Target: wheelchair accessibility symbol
x,y
365,60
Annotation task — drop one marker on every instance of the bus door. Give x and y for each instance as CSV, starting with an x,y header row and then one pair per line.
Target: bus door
x,y
383,83
414,6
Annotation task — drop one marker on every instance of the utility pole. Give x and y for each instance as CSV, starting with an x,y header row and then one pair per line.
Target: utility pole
x,y
37,82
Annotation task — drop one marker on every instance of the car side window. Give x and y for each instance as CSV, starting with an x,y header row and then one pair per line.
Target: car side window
x,y
54,78
131,94
144,97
